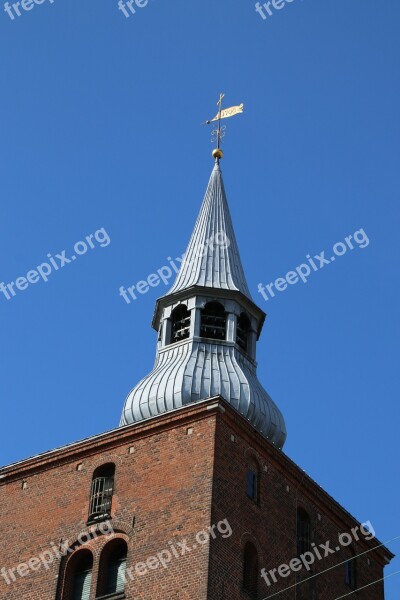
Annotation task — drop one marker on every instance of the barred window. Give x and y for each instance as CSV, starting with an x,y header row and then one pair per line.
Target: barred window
x,y
101,493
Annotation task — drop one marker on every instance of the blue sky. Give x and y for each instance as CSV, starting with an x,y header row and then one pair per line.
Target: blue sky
x,y
100,126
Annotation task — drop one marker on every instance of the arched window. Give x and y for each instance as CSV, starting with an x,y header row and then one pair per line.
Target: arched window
x,y
303,532
83,578
101,493
351,571
250,570
180,324
253,480
213,321
78,576
112,568
242,331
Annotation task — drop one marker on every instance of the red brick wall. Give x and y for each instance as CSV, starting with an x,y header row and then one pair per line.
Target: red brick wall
x,y
165,484
271,525
175,476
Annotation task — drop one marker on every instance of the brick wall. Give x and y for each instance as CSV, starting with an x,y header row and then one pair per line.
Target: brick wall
x,y
270,524
163,481
175,476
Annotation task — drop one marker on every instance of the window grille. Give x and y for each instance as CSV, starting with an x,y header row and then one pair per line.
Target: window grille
x,y
101,497
101,492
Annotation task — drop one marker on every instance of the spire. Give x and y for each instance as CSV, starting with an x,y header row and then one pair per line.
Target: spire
x,y
208,327
212,257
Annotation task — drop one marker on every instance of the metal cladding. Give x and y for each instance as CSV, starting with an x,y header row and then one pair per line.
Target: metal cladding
x,y
212,257
194,360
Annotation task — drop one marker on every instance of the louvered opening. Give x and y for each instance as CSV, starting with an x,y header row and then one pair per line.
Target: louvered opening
x,y
180,324
213,321
242,331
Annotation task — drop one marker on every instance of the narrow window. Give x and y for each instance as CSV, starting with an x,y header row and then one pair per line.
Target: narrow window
x,y
101,493
250,570
351,572
242,332
303,532
180,324
213,321
252,483
112,568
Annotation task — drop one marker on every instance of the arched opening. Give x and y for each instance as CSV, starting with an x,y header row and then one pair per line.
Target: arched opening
x,y
213,321
101,492
243,331
250,570
78,576
351,571
303,532
112,568
180,324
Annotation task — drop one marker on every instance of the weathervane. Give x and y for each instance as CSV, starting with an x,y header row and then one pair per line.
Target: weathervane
x,y
218,133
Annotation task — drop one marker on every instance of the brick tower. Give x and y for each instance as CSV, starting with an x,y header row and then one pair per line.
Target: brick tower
x,y
192,496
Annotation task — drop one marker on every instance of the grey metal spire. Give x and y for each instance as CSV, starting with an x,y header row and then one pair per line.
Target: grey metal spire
x,y
208,328
212,257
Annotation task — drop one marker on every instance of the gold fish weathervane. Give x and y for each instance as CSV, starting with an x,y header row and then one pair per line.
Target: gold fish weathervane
x,y
219,132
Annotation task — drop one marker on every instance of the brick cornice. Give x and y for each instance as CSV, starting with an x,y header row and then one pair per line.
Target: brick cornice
x,y
111,439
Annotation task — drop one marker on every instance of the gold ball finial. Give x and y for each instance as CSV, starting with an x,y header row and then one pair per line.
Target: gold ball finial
x,y
217,153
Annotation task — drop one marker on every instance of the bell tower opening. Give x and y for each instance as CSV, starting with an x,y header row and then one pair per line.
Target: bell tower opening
x,y
213,321
242,331
180,324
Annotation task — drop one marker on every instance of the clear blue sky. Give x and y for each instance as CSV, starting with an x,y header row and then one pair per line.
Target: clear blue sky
x,y
100,128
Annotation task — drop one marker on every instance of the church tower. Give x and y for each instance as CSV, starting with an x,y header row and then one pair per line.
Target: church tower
x,y
208,326
192,496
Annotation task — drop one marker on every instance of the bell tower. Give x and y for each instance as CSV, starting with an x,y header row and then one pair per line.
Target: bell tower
x,y
208,328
